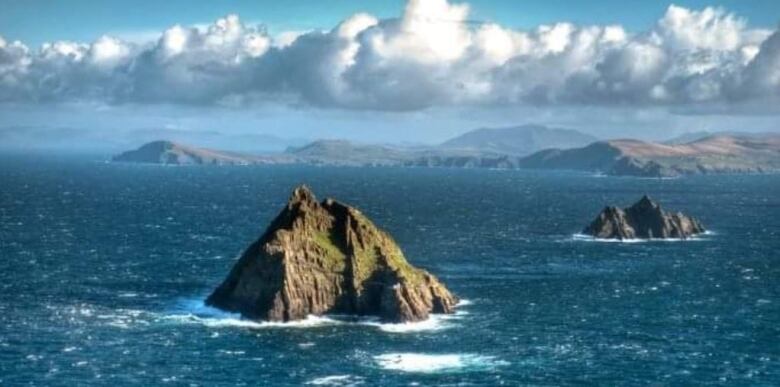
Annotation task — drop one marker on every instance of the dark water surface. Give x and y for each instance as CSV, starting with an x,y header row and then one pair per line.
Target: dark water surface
x,y
102,269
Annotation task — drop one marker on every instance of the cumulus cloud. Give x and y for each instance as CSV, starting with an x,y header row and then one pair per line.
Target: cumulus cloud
x,y
432,55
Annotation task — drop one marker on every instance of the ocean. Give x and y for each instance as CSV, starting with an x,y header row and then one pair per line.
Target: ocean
x,y
104,268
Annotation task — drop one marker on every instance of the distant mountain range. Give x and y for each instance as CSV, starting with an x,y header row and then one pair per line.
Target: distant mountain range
x,y
517,141
342,152
713,154
508,148
695,136
476,144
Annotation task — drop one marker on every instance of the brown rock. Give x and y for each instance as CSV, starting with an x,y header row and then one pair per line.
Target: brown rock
x,y
317,258
645,220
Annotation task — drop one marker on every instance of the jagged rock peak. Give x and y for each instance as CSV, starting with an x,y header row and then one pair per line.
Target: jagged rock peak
x,y
302,194
644,219
327,257
646,202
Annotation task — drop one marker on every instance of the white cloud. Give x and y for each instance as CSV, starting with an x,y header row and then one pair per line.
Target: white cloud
x,y
496,44
710,28
431,56
174,40
286,38
430,30
108,52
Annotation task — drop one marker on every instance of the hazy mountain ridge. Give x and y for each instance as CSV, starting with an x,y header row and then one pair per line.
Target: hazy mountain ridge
x,y
713,154
751,153
689,137
495,147
518,141
343,152
172,153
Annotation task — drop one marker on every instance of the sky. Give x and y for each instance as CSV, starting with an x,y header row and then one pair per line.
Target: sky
x,y
35,22
256,75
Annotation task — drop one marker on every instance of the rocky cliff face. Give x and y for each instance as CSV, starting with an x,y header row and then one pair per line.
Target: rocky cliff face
x,y
327,257
645,219
630,166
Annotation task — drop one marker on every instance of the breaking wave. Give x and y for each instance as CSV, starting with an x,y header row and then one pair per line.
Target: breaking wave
x,y
336,380
434,363
195,311
579,237
435,322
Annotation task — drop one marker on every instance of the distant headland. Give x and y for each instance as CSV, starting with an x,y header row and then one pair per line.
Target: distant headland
x,y
522,147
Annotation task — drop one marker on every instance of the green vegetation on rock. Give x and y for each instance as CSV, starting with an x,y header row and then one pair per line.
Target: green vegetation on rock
x,y
331,259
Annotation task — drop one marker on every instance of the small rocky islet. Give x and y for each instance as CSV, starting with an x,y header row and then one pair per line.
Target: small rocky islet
x,y
643,220
328,258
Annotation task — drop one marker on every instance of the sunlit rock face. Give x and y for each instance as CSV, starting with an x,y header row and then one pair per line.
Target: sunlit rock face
x,y
327,257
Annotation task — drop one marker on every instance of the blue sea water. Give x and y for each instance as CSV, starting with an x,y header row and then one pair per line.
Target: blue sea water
x,y
103,268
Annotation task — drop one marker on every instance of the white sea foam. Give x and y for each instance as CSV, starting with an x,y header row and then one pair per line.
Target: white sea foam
x,y
194,311
435,322
434,363
588,238
336,380
602,174
235,321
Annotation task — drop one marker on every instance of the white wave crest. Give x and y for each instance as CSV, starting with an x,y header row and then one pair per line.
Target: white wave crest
x,y
589,238
435,322
194,311
336,380
433,363
237,321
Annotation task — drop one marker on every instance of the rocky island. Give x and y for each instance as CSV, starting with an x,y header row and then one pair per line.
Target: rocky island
x,y
644,220
328,258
